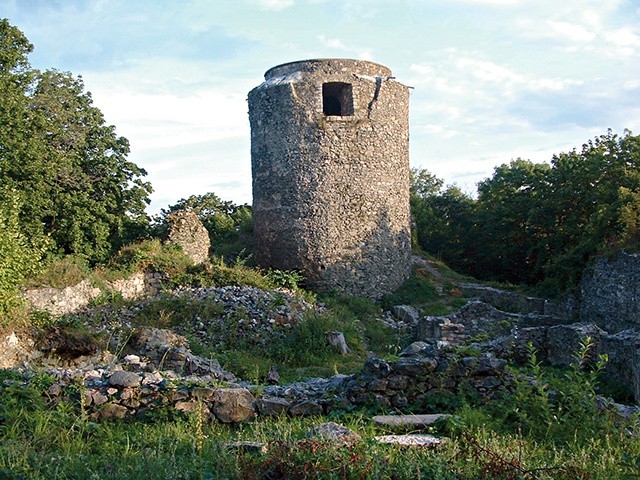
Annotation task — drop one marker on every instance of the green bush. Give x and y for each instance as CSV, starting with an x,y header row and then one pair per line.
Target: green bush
x,y
150,254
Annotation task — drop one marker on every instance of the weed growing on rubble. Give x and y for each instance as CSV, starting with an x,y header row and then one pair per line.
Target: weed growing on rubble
x,y
562,408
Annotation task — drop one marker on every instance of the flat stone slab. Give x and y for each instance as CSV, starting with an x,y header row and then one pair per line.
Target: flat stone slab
x,y
417,440
417,421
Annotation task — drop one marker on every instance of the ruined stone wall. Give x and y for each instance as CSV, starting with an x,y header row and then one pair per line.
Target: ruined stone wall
x,y
59,301
330,164
187,231
610,293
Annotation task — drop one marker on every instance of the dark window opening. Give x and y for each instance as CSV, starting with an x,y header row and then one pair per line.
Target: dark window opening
x,y
337,99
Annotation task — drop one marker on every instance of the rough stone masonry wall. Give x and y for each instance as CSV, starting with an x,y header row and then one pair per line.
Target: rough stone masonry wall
x,y
187,231
610,293
331,192
59,301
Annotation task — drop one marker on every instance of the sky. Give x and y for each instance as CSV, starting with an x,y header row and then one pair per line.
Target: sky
x,y
493,80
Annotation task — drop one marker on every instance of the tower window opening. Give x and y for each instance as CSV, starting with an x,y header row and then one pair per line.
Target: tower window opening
x,y
337,98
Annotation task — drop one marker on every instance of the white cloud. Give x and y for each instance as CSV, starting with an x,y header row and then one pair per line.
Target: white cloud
x,y
572,31
337,44
332,42
487,71
583,27
496,3
437,129
276,5
624,40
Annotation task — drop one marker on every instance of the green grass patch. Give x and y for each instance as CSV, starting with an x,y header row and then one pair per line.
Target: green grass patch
x,y
41,440
417,290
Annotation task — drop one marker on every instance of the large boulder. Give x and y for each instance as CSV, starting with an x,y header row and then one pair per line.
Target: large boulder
x,y
233,405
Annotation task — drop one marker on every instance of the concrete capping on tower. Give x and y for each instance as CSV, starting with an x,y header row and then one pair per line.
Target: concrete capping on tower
x,y
330,165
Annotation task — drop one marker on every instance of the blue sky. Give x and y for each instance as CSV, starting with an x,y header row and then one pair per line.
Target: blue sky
x,y
493,79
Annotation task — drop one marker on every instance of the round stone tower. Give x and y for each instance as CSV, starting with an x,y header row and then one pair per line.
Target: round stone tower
x,y
330,165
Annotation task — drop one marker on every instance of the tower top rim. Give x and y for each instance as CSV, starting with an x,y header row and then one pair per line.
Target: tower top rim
x,y
364,67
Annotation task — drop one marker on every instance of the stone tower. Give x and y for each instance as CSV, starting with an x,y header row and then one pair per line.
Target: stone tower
x,y
330,165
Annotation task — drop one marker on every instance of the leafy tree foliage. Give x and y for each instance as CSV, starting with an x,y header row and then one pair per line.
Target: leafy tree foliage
x,y
442,219
229,225
503,222
537,223
56,148
20,255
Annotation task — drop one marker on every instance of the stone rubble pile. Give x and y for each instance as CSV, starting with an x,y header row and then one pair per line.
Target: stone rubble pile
x,y
251,313
154,369
234,312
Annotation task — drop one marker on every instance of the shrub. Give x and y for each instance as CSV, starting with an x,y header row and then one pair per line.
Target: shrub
x,y
417,290
561,410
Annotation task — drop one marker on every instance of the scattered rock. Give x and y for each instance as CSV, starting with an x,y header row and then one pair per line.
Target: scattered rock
x,y
124,379
55,390
414,421
336,339
98,398
418,348
192,406
273,378
305,408
113,410
335,432
132,359
417,440
202,393
272,406
406,314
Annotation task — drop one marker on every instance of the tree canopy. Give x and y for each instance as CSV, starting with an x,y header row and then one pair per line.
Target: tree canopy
x,y
537,223
70,167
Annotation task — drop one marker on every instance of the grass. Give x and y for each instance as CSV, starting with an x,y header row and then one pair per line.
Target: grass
x,y
43,441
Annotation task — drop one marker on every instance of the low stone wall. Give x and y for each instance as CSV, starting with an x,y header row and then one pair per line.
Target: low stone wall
x,y
59,301
135,386
555,341
518,303
424,373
